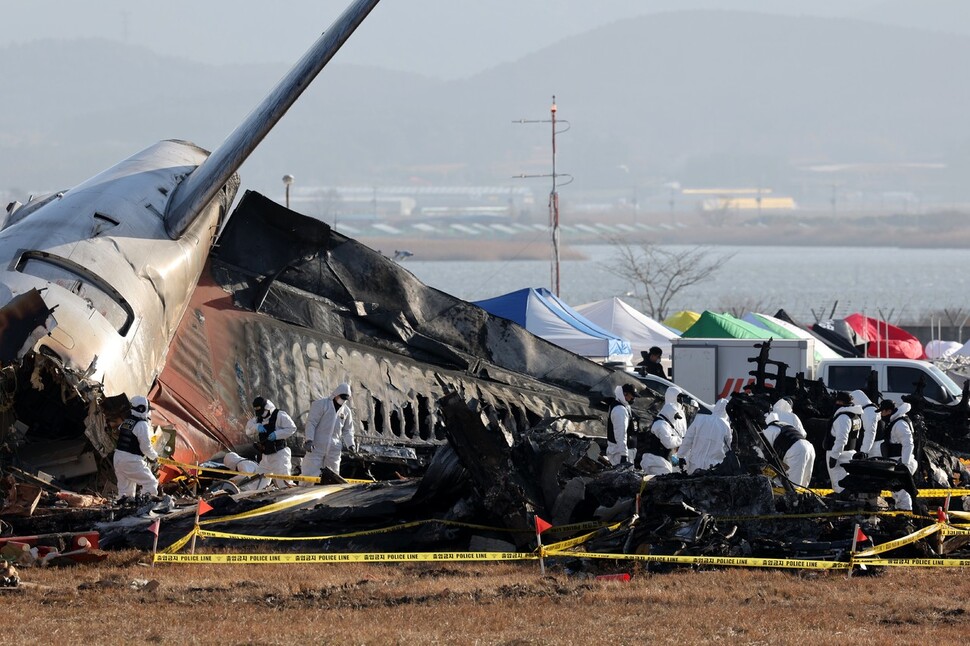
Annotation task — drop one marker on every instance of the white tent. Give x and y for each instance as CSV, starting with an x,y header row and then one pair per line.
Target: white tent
x,y
937,349
962,351
778,326
626,322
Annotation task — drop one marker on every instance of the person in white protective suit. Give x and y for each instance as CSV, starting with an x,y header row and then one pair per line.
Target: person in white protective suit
x,y
235,462
782,412
270,427
621,426
133,449
673,409
871,443
329,428
899,444
792,448
844,434
665,436
708,439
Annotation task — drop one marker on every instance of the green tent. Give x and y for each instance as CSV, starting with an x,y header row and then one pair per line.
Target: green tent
x,y
724,326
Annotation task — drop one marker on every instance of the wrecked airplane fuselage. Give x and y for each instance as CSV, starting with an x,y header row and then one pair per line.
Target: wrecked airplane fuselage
x,y
288,308
118,259
118,286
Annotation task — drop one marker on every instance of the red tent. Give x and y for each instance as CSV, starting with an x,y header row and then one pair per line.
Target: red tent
x,y
882,337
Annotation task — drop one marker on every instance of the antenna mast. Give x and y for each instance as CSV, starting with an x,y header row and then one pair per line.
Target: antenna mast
x,y
554,278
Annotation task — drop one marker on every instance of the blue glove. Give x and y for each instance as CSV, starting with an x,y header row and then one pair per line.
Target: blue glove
x,y
260,429
272,436
674,460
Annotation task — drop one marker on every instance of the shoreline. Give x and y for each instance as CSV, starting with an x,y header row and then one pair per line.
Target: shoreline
x,y
941,231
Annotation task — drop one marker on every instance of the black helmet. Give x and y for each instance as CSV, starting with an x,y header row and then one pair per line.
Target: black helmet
x,y
631,390
843,396
887,404
259,405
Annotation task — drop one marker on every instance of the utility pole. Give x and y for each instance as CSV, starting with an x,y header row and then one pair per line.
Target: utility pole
x,y
554,278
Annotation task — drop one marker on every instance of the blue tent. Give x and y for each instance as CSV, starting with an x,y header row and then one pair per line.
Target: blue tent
x,y
539,311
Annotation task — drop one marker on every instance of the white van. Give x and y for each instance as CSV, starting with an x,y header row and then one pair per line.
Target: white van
x,y
897,377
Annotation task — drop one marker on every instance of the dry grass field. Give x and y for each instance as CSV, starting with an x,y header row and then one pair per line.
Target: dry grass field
x,y
487,603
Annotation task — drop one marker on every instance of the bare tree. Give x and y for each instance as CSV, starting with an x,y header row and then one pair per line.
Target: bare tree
x,y
658,274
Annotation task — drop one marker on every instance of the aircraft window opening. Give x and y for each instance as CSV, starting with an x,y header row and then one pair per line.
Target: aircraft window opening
x,y
378,416
425,418
70,276
410,420
396,423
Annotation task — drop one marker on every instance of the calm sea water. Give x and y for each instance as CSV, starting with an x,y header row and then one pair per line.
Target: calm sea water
x,y
905,285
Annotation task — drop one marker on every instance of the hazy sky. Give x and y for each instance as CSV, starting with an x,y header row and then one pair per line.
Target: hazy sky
x,y
443,38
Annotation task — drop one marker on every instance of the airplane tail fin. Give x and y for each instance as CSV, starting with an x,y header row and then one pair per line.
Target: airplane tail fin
x,y
197,190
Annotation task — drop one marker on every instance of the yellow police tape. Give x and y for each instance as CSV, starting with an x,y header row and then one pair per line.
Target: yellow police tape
x,y
922,493
919,534
268,476
345,557
579,540
204,533
179,544
304,496
560,549
917,562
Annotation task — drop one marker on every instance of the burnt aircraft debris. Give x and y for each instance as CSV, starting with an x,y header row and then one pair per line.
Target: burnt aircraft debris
x,y
490,425
471,423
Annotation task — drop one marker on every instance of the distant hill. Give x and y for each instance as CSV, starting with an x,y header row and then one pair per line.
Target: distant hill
x,y
938,15
695,96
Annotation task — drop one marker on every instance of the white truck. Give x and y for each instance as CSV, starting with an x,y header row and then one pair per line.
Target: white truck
x,y
896,377
714,368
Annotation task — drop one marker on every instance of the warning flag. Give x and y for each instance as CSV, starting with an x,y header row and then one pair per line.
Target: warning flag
x,y
154,527
204,507
542,525
860,536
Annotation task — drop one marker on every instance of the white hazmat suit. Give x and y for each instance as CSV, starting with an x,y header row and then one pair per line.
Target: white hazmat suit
x,y
782,412
899,438
235,462
708,439
846,425
134,446
870,422
329,428
280,461
621,417
668,431
799,458
674,411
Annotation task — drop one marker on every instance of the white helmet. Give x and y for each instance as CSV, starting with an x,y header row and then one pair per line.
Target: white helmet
x,y
140,408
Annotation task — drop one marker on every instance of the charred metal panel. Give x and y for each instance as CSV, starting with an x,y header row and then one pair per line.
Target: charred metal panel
x,y
374,299
288,309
